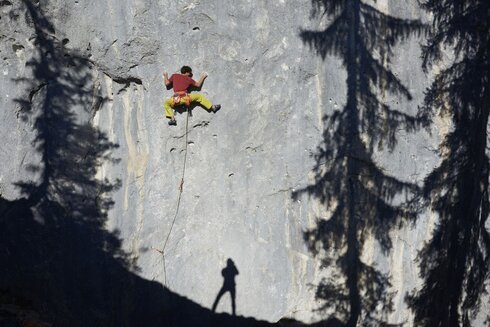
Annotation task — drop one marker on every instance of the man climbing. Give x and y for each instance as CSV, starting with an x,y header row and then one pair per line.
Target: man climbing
x,y
181,84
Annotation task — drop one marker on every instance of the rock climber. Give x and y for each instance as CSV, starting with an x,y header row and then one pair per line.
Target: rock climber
x,y
181,84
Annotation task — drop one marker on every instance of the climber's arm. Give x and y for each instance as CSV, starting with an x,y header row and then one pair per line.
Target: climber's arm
x,y
166,80
198,84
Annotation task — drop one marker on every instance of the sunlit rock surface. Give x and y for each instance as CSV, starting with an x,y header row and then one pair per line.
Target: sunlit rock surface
x,y
243,163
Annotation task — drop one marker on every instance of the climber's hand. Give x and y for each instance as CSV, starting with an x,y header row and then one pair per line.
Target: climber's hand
x,y
166,80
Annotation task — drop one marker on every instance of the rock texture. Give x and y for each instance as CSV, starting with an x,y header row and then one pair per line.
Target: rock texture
x,y
100,64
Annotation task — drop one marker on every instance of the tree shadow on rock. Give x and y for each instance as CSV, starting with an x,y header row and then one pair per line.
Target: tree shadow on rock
x,y
362,200
58,259
455,262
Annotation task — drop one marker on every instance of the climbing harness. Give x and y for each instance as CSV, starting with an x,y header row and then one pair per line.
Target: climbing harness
x,y
178,97
181,189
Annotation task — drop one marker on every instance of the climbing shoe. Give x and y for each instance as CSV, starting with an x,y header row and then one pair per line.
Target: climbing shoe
x,y
216,107
172,122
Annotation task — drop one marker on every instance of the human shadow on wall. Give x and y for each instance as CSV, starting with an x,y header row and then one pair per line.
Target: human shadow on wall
x,y
57,258
229,285
455,262
358,194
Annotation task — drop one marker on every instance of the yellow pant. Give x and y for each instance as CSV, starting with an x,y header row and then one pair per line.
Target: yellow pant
x,y
195,98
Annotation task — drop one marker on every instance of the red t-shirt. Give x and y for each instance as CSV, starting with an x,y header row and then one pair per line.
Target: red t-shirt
x,y
181,82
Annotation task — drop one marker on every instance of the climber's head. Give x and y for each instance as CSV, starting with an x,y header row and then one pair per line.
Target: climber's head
x,y
186,70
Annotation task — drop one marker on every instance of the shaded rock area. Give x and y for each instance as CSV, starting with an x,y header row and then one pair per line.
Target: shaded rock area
x,y
310,199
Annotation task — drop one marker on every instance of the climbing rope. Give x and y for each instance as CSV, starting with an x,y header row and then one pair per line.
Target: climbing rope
x,y
181,188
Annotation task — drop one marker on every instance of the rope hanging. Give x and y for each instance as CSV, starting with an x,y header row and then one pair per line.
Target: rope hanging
x,y
181,188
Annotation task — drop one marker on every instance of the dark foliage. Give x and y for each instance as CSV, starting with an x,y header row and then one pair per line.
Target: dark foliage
x,y
455,262
352,186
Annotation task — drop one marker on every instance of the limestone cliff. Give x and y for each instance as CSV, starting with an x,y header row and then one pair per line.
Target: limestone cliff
x,y
119,216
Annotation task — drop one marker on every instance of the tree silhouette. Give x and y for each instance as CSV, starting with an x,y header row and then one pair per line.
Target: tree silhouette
x,y
455,262
55,235
353,187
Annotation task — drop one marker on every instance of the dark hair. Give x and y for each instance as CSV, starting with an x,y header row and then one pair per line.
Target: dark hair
x,y
186,69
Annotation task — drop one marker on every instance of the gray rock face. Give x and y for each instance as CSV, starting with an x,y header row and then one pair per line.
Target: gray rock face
x,y
238,168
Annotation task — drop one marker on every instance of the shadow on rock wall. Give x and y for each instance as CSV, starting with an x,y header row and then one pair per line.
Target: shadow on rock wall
x,y
60,266
455,262
355,190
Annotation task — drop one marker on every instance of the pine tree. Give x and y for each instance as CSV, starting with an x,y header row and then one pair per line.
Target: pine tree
x,y
357,192
455,263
